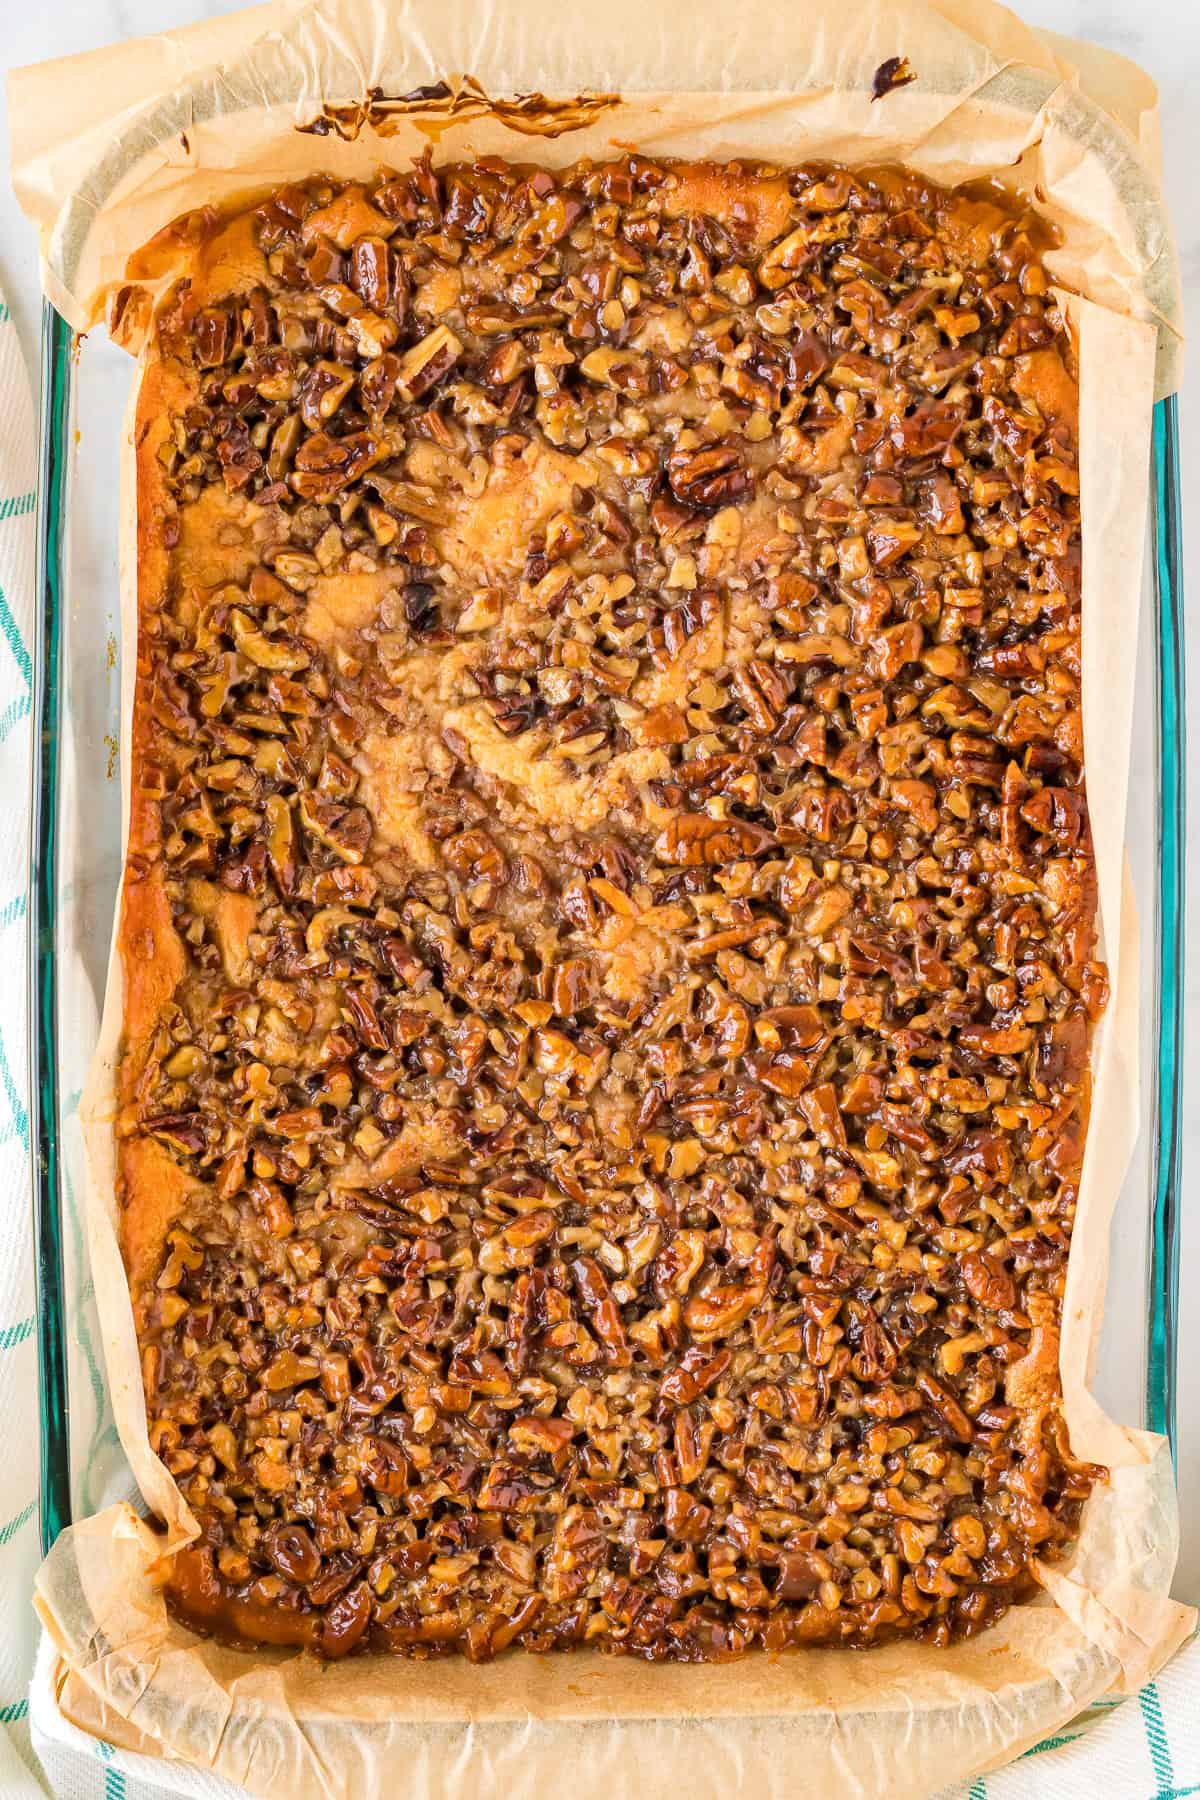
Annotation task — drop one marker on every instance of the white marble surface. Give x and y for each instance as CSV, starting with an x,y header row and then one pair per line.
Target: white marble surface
x,y
1165,38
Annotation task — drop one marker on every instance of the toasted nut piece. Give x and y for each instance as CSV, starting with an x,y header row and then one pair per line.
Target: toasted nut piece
x,y
427,362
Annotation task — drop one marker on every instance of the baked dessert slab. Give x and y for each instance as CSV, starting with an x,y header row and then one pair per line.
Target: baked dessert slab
x,y
608,927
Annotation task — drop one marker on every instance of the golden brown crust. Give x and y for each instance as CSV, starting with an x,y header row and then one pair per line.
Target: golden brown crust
x,y
154,1190
153,962
755,206
609,919
1041,376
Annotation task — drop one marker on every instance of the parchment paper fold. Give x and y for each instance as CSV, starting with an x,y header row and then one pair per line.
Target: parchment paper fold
x,y
110,147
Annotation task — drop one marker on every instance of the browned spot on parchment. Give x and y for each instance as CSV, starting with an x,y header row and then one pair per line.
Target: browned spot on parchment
x,y
443,103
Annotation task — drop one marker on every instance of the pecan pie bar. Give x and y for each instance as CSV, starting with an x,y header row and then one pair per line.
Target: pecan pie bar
x,y
608,927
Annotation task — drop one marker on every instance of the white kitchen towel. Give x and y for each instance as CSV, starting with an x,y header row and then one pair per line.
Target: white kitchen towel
x,y
1147,1748
18,1349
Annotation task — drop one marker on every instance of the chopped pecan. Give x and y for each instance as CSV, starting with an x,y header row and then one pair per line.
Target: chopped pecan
x,y
693,838
711,476
323,466
428,362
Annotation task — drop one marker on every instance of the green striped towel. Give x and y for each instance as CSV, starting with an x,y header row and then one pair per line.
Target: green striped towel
x,y
18,1350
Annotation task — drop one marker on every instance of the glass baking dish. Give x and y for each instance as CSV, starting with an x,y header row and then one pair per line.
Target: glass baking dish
x,y
75,869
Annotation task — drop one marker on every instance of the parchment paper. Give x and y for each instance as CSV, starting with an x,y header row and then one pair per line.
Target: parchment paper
x,y
109,148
